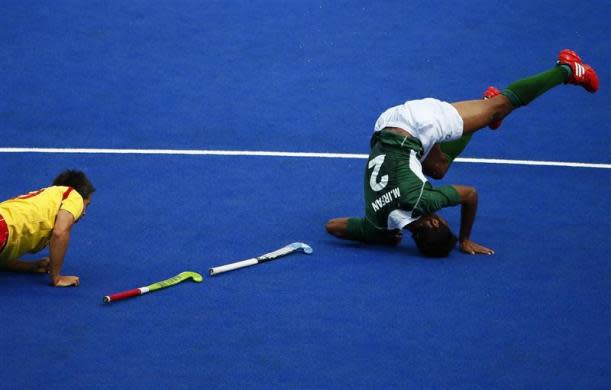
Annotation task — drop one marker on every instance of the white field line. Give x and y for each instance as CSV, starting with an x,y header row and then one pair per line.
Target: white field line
x,y
195,152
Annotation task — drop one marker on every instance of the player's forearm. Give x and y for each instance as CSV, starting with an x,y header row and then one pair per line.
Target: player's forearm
x,y
57,250
468,201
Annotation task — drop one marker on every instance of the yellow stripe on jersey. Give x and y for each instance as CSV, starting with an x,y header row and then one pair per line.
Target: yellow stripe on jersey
x,y
31,217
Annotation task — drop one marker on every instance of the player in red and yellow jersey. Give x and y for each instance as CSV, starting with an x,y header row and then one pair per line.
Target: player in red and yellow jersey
x,y
30,222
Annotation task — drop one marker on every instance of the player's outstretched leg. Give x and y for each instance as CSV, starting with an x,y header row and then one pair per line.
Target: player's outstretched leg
x,y
569,68
495,105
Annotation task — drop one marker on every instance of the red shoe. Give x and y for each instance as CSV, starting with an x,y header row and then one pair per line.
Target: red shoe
x,y
581,74
488,94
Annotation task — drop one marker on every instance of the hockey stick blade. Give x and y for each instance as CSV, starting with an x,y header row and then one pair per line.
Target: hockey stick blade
x,y
181,277
294,247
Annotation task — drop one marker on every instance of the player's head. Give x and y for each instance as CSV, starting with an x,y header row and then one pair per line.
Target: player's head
x,y
433,236
76,180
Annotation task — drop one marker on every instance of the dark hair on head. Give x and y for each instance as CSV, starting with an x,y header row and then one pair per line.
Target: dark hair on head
x,y
76,180
434,241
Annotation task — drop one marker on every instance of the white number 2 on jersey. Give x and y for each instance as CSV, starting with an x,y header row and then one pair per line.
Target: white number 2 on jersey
x,y
376,164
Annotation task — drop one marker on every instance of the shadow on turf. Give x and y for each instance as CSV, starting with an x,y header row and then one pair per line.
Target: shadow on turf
x,y
410,252
11,276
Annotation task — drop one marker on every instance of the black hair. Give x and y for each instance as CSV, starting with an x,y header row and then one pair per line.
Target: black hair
x,y
434,241
76,180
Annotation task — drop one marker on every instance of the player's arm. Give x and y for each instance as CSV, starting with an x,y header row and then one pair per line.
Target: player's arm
x,y
338,227
468,204
60,237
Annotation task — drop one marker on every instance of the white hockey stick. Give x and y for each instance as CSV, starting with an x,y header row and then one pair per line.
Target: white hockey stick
x,y
294,247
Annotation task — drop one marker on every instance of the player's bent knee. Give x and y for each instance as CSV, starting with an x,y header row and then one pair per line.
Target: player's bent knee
x,y
438,170
501,106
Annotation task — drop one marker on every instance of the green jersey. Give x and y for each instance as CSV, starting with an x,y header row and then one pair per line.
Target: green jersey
x,y
396,191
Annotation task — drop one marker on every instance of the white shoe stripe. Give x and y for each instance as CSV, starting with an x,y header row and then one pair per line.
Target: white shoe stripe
x,y
579,70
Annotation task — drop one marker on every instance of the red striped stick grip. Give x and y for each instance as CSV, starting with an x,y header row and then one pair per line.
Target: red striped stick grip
x,y
122,295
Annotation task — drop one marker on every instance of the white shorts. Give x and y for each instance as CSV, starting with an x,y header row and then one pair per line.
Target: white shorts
x,y
430,120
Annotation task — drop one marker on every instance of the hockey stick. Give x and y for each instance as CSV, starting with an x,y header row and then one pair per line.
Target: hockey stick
x,y
181,277
294,247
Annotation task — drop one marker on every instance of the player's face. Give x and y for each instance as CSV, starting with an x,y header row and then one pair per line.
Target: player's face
x,y
86,203
434,221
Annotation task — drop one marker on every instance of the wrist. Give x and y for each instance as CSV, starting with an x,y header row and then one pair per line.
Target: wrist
x,y
462,240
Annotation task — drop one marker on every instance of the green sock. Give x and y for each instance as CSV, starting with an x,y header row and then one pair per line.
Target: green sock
x,y
453,148
524,91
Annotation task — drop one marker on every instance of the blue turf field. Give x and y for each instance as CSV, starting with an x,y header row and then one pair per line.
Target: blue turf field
x,y
302,76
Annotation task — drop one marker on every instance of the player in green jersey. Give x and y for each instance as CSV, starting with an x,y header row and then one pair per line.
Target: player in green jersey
x,y
422,137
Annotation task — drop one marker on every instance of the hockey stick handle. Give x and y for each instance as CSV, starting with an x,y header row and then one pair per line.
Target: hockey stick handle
x,y
126,294
233,266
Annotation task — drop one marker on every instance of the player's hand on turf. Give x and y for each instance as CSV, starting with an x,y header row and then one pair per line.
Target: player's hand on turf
x,y
472,248
42,266
66,281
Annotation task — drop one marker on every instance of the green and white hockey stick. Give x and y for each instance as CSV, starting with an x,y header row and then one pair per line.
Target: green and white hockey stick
x,y
181,277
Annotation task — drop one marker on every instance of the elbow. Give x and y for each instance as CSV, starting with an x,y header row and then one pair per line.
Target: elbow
x,y
329,227
60,234
337,227
470,196
332,227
